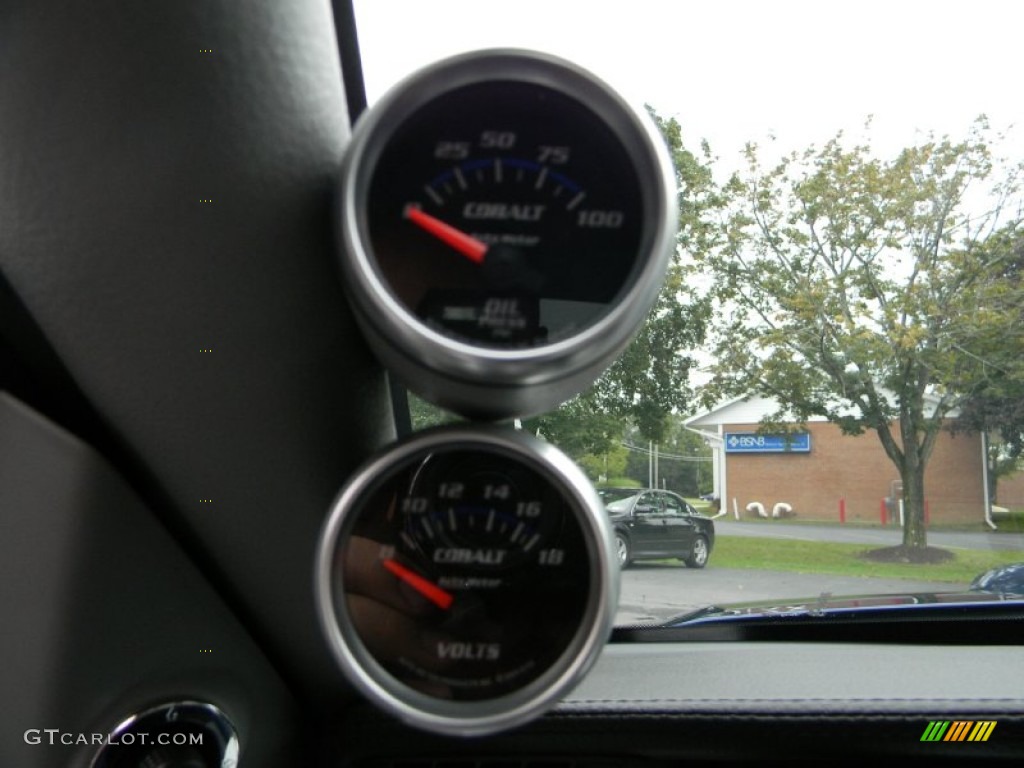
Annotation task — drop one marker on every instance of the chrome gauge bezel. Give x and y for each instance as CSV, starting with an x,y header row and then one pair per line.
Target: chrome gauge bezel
x,y
475,380
485,716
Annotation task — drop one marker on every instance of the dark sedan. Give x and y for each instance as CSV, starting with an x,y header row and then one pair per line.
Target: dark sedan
x,y
652,525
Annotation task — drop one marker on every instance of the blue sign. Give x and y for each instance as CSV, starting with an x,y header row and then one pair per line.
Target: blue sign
x,y
752,442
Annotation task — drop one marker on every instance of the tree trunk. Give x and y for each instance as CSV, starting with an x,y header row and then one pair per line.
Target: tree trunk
x,y
914,533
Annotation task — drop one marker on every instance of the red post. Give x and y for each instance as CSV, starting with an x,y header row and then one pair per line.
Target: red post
x,y
881,507
842,510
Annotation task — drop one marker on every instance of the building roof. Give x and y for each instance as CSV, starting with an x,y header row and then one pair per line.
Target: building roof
x,y
747,409
750,409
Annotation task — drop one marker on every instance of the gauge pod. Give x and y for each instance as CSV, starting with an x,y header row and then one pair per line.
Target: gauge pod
x,y
506,220
465,578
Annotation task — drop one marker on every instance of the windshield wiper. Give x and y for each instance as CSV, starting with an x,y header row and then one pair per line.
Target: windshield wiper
x,y
933,618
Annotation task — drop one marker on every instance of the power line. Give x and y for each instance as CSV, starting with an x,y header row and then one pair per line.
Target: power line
x,y
660,455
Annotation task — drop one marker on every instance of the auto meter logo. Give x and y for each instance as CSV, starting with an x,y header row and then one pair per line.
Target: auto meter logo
x,y
958,730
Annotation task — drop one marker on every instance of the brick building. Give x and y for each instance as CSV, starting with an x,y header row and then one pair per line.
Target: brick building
x,y
821,471
1010,493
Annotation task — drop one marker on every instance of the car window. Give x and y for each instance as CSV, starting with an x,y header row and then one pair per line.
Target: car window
x,y
648,503
622,504
673,504
816,384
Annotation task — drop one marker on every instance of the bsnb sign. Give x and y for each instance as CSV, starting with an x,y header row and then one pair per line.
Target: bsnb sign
x,y
752,442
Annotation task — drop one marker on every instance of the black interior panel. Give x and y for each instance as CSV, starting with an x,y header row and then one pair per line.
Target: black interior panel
x,y
104,615
122,121
745,704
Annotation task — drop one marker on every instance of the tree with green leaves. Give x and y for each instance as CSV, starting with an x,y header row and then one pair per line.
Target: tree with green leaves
x,y
847,287
608,466
651,379
995,404
682,461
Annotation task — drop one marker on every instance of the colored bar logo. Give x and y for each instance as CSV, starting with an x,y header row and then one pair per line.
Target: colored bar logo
x,y
958,730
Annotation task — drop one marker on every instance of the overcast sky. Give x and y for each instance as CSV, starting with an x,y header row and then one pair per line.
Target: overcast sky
x,y
736,70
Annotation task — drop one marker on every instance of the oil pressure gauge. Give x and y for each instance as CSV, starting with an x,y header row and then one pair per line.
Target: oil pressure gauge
x,y
465,578
506,220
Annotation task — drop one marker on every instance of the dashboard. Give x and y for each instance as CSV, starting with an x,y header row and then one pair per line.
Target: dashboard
x,y
196,403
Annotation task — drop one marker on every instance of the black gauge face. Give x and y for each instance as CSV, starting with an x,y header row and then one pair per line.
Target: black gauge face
x,y
470,575
466,574
505,214
506,220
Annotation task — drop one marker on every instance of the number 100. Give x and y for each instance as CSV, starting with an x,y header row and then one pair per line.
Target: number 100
x,y
599,219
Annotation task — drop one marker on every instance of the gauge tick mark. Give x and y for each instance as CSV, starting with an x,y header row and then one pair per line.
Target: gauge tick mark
x,y
516,533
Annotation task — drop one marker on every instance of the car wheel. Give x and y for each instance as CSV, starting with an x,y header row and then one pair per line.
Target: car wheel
x,y
622,550
698,556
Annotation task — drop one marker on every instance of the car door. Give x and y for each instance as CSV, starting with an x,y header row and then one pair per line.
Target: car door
x,y
649,526
679,524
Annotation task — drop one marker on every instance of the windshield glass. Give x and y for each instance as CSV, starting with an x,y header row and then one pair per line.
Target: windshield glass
x,y
831,378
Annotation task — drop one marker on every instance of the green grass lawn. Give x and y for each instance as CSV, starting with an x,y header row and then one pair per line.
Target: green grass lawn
x,y
844,560
1010,522
700,505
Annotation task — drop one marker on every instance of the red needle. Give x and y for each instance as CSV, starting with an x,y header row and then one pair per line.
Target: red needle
x,y
429,590
467,245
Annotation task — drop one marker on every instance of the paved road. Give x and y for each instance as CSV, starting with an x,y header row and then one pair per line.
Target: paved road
x,y
857,534
652,592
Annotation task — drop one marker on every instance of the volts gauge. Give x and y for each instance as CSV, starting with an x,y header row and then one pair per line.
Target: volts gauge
x,y
466,580
506,221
